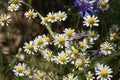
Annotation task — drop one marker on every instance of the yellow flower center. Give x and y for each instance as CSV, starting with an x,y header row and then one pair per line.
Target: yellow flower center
x,y
112,38
92,34
69,33
52,17
13,7
76,51
114,34
81,45
50,55
19,57
87,42
91,21
46,19
39,41
47,39
74,58
106,47
30,72
4,19
62,58
80,63
20,69
104,73
30,14
61,40
70,78
41,75
61,16
52,76
67,54
30,47
15,1
103,4
89,75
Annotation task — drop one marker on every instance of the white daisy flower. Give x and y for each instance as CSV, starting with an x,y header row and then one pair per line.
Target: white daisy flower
x,y
85,44
17,2
75,51
39,41
74,58
103,5
47,54
52,76
69,32
45,21
30,47
61,16
20,57
47,40
5,20
52,17
90,21
82,63
61,40
61,58
68,52
13,7
103,72
30,72
90,76
40,75
19,69
70,77
92,35
106,48
30,14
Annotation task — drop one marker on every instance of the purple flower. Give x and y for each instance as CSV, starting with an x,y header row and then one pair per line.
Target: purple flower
x,y
86,7
79,35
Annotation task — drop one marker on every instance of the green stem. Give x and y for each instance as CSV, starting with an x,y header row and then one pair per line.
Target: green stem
x,y
78,22
40,16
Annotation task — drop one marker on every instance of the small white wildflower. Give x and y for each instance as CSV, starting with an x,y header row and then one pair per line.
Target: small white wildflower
x,y
17,2
30,47
103,72
90,21
70,77
5,20
103,4
90,76
61,16
61,58
30,14
13,7
52,17
106,48
19,69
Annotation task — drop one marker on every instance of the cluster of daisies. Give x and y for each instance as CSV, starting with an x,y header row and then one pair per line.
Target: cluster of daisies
x,y
13,6
73,48
102,72
23,70
54,17
68,47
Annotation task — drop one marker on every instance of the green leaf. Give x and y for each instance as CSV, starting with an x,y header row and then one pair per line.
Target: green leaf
x,y
29,2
